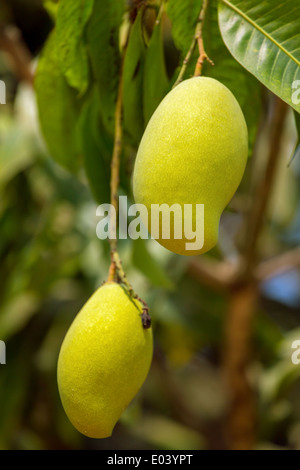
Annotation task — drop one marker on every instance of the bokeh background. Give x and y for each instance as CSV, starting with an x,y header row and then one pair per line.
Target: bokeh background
x,y
51,262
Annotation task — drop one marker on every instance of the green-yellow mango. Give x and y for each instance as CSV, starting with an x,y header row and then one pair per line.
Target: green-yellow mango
x,y
193,151
104,360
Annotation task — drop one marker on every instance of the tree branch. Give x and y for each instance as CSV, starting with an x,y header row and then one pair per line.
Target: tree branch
x,y
196,39
262,194
243,297
278,265
217,275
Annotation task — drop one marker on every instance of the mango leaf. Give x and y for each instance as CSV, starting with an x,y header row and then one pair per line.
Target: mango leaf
x,y
148,265
228,71
96,147
156,80
16,313
133,82
183,15
264,38
72,17
103,49
58,108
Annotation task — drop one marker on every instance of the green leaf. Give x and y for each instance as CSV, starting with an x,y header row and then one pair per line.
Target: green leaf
x,y
96,148
103,48
58,108
156,82
228,71
17,149
16,313
264,38
148,265
133,82
72,17
183,15
51,7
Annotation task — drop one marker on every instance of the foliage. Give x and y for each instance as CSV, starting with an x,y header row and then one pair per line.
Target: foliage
x,y
51,260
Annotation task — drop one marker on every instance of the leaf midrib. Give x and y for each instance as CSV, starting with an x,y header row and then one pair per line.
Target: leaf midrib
x,y
261,30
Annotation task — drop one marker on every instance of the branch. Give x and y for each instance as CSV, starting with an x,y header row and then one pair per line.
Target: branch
x,y
116,271
199,38
278,265
115,179
243,297
262,193
241,418
196,39
217,275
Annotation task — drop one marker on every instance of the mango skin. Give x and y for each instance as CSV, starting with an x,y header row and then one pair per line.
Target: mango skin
x,y
104,360
193,151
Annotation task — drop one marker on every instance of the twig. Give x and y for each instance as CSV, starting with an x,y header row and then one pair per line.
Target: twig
x,y
278,265
202,54
115,179
19,55
116,272
196,39
217,275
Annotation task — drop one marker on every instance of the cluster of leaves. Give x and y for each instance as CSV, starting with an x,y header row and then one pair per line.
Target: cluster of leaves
x,y
50,257
79,71
77,82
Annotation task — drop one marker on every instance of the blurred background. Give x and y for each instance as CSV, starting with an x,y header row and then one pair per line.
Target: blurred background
x,y
52,261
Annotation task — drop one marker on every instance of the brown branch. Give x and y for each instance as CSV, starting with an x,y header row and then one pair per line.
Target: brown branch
x,y
217,275
240,422
116,272
262,193
197,38
17,53
115,179
278,265
240,425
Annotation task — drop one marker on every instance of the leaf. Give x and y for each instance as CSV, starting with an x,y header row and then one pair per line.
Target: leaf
x,y
148,265
103,49
228,71
58,108
183,15
264,38
16,313
156,82
16,151
51,8
96,148
72,17
133,82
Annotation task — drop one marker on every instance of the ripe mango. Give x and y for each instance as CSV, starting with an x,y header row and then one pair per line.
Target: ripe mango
x,y
193,151
104,360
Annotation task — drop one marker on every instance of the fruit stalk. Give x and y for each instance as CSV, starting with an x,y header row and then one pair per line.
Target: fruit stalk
x,y
116,271
197,39
114,181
